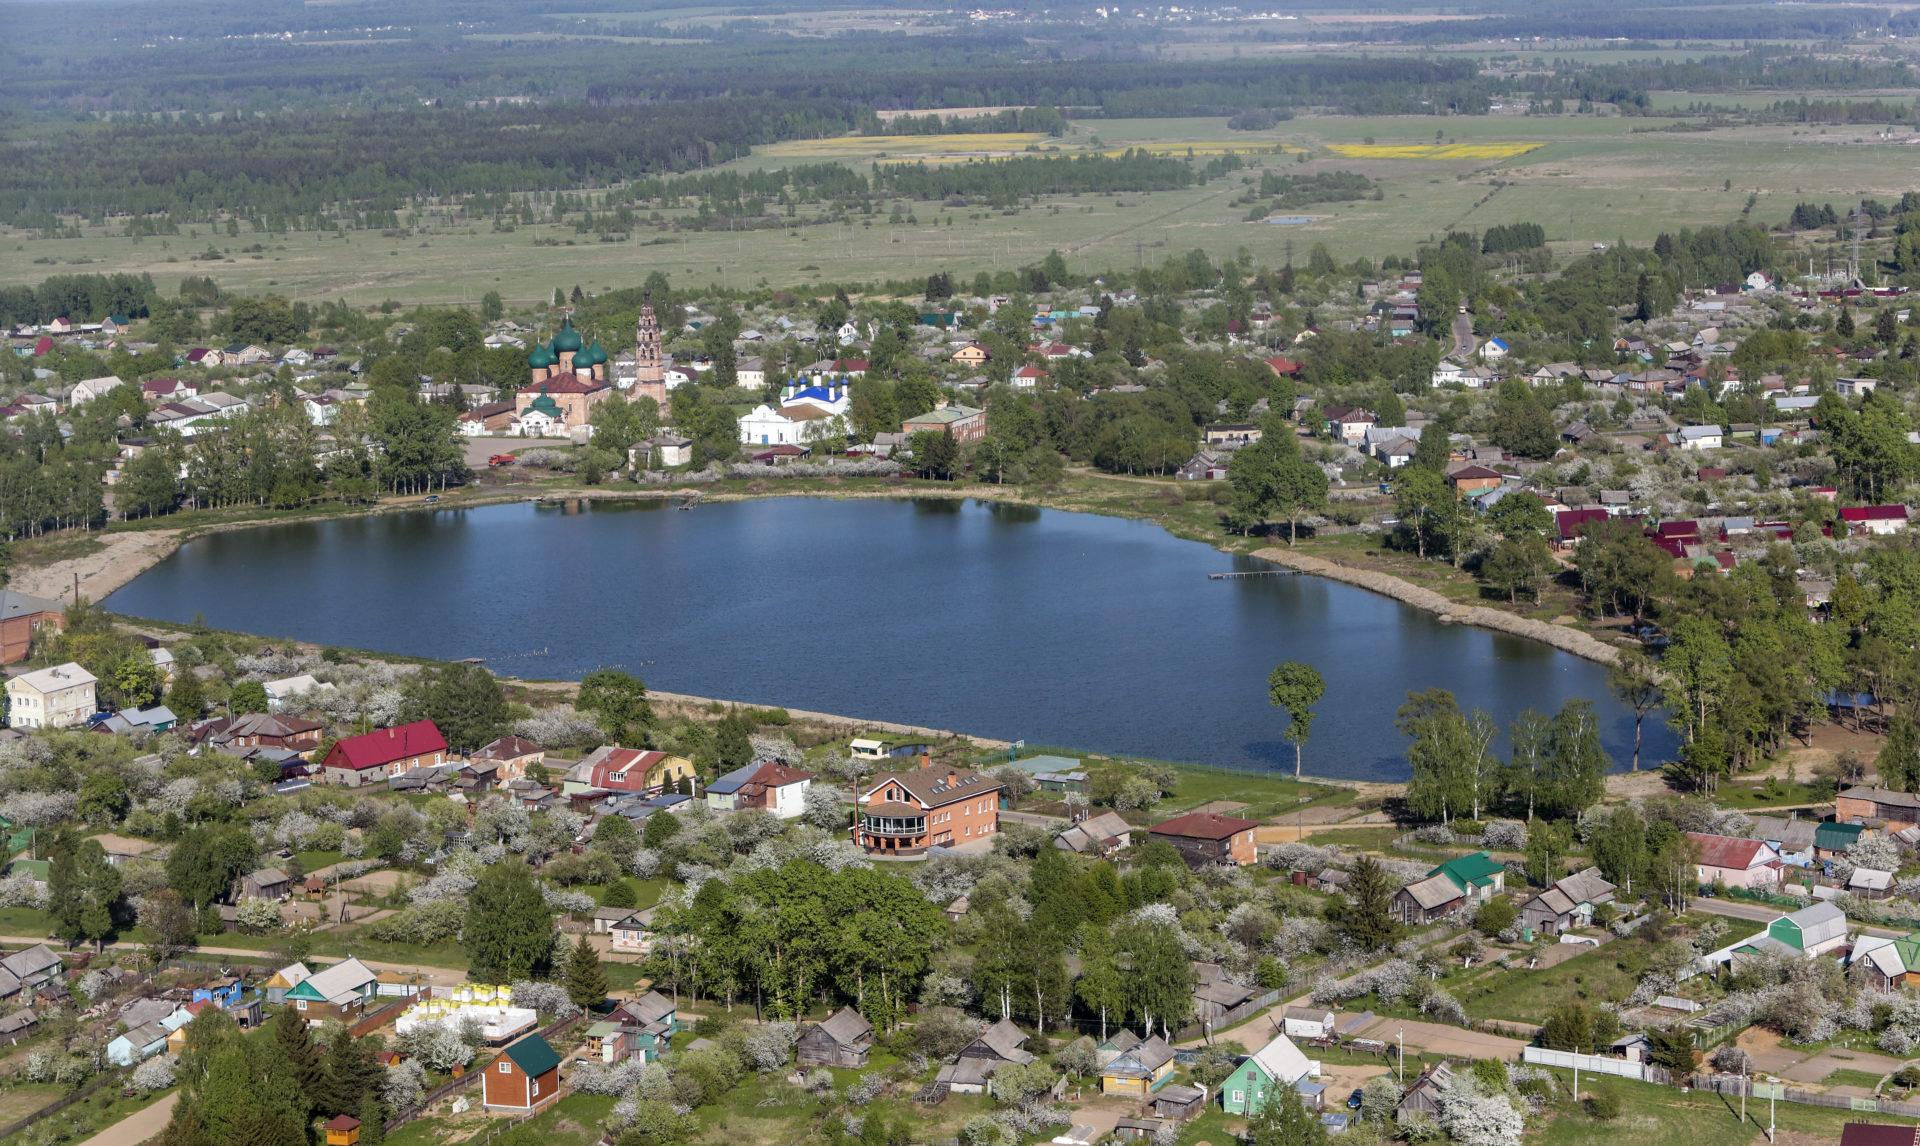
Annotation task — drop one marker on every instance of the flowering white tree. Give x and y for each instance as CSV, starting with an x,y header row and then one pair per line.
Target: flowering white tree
x,y
547,998
154,1074
257,915
1473,1117
404,1086
438,1046
1876,852
769,1046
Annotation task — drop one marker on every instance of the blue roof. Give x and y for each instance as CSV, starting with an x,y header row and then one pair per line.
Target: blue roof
x,y
733,781
668,800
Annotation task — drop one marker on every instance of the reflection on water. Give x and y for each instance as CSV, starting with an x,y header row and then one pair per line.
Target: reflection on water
x,y
1066,629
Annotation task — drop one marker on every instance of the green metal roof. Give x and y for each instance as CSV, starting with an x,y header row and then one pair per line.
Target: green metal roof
x,y
1470,870
602,1029
568,338
1836,837
534,1055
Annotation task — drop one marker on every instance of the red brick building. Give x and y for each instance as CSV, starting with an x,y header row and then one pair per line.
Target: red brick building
x,y
525,1076
384,752
908,812
1204,838
21,617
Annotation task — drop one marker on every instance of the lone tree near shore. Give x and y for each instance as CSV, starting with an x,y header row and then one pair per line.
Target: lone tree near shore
x,y
1297,688
1634,681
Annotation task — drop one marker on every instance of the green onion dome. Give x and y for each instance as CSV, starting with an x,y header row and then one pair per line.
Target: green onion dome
x,y
567,339
541,358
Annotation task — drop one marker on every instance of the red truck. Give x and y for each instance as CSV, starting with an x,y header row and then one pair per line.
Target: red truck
x,y
498,460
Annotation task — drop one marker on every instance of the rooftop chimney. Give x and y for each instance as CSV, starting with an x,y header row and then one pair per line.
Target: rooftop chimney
x,y
953,778
926,760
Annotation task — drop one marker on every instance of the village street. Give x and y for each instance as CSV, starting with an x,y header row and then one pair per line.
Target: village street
x,y
139,1126
437,976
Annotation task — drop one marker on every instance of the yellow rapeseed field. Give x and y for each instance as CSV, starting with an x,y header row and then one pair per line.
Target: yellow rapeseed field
x,y
1431,150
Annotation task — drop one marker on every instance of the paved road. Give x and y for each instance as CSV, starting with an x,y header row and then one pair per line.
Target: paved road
x,y
437,976
139,1126
1463,339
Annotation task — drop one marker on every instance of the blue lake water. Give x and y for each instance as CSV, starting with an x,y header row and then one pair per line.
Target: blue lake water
x,y
1053,627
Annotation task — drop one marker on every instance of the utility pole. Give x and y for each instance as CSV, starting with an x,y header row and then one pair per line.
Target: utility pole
x,y
1576,1076
1400,1063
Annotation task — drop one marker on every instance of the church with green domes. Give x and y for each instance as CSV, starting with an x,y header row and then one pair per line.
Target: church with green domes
x,y
569,378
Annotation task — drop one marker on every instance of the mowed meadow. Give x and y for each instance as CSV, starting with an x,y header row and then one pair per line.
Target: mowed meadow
x,y
1585,180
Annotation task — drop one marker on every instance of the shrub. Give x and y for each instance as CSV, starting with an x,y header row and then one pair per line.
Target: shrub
x,y
1604,1105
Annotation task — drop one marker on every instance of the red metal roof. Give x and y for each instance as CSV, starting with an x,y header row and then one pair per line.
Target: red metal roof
x,y
1203,826
383,746
1281,364
1874,513
1729,851
1572,521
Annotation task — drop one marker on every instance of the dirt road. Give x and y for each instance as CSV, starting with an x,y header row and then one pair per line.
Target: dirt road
x,y
139,1126
437,976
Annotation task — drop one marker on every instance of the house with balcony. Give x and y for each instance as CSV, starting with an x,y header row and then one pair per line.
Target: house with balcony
x,y
905,813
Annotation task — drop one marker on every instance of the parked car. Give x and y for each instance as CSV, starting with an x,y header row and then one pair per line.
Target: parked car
x,y
1353,1100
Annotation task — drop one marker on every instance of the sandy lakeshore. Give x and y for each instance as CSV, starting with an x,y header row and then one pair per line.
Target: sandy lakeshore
x,y
120,558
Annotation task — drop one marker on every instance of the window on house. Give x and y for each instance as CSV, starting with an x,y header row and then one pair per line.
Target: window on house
x,y
536,1090
618,777
1239,1097
301,1005
506,1068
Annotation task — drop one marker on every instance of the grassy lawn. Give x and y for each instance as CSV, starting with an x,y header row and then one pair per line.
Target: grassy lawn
x,y
1775,794
1662,1116
24,921
1847,1076
1608,972
19,1101
312,861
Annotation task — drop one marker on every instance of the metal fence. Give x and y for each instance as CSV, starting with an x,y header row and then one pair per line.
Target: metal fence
x,y
1591,1063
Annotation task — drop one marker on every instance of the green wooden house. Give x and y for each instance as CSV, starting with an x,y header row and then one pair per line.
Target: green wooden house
x,y
1277,1064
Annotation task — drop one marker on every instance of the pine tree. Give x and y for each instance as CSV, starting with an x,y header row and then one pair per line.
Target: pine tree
x,y
1886,328
1844,326
586,980
373,1118
348,1075
295,1043
1367,915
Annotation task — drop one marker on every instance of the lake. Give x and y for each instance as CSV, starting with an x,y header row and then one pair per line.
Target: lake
x,y
1005,621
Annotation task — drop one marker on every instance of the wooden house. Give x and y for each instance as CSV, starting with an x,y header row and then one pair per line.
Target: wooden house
x,y
524,1077
844,1040
1138,1072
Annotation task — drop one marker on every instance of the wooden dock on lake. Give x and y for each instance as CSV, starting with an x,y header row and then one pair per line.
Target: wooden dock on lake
x,y
1253,573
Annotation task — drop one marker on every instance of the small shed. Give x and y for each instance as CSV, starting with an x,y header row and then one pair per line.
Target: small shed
x,y
1308,1023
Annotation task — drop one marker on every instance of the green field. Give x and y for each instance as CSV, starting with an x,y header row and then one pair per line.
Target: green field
x,y
1588,180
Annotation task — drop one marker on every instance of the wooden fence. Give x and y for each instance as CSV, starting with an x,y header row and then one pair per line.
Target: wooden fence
x,y
19,1124
1733,1084
1228,1017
